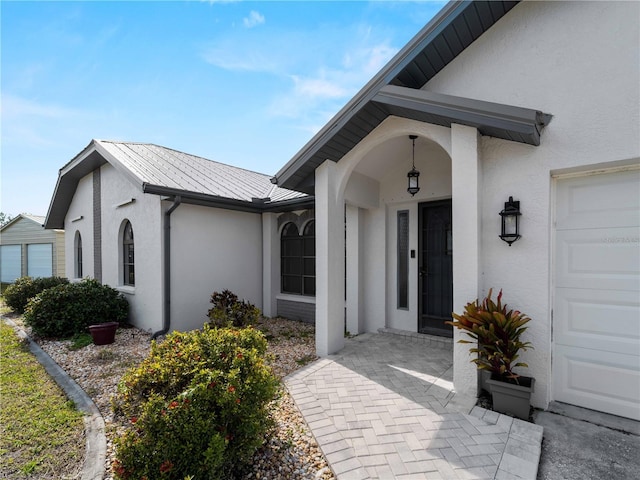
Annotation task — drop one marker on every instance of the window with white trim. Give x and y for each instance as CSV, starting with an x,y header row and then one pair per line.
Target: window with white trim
x,y
128,266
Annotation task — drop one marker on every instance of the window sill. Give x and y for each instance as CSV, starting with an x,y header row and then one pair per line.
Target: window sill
x,y
128,289
296,298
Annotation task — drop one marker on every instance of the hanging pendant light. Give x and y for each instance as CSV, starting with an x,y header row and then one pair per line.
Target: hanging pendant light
x,y
413,177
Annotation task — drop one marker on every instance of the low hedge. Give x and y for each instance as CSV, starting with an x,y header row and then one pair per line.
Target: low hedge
x,y
198,406
17,295
68,309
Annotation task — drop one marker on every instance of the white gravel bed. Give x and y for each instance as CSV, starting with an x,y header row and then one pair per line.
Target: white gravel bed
x,y
290,452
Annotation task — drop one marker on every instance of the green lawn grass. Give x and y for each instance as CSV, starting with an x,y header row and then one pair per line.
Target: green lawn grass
x,y
41,431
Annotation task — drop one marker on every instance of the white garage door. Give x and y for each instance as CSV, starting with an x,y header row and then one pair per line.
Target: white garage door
x,y
596,312
10,263
40,260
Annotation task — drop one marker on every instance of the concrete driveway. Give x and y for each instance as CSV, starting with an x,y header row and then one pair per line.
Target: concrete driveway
x,y
581,444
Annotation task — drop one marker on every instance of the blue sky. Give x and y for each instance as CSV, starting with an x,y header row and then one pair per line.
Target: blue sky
x,y
243,83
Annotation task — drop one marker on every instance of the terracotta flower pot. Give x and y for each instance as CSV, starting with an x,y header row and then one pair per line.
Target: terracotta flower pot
x,y
103,333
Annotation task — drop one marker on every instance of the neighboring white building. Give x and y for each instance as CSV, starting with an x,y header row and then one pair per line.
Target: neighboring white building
x,y
26,248
539,101
167,229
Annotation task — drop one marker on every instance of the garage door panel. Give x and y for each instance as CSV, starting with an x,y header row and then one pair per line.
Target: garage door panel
x,y
611,384
10,263
597,319
599,258
607,200
39,260
596,304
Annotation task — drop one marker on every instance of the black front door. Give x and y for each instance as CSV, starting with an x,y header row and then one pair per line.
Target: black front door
x,y
435,283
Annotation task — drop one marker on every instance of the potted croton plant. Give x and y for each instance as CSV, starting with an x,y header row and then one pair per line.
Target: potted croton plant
x,y
497,333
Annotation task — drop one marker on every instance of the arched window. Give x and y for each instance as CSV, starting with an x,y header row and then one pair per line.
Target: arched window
x,y
77,249
298,259
128,255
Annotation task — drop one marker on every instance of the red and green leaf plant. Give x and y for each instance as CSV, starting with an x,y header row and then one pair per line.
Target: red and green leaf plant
x,y
497,333
228,311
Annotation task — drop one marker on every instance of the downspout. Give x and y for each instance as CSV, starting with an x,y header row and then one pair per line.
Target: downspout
x,y
166,322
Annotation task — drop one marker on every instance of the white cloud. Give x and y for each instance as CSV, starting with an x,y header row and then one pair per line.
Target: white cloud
x,y
321,69
253,20
318,95
252,60
317,88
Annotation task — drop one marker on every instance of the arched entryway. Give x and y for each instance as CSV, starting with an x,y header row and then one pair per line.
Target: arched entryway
x,y
392,274
367,192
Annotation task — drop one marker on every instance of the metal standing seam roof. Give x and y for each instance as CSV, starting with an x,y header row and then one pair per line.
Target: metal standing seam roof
x,y
451,31
167,168
164,171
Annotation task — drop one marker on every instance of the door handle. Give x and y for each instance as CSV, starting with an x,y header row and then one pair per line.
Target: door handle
x,y
423,271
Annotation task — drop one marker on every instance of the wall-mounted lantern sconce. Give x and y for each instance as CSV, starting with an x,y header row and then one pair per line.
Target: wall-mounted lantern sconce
x,y
510,231
413,177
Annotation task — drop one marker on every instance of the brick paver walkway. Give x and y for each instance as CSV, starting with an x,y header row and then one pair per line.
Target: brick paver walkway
x,y
384,408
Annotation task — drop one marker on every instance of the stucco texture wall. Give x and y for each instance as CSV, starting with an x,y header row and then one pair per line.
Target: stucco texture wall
x,y
81,206
211,250
146,297
580,63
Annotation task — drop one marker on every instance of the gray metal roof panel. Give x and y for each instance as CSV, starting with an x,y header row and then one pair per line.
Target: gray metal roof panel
x,y
165,167
164,171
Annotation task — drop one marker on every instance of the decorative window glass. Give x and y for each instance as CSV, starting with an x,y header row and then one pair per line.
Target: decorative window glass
x,y
298,259
78,255
403,259
128,255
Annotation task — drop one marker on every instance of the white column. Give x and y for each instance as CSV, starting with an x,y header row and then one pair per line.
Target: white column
x,y
466,203
330,247
270,264
354,269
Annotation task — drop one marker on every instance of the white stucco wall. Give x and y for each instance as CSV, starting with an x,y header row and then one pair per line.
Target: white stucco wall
x,y
146,297
81,206
211,250
578,61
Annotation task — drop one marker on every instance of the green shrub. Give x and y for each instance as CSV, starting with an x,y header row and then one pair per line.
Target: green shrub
x,y
24,289
198,405
228,311
68,309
